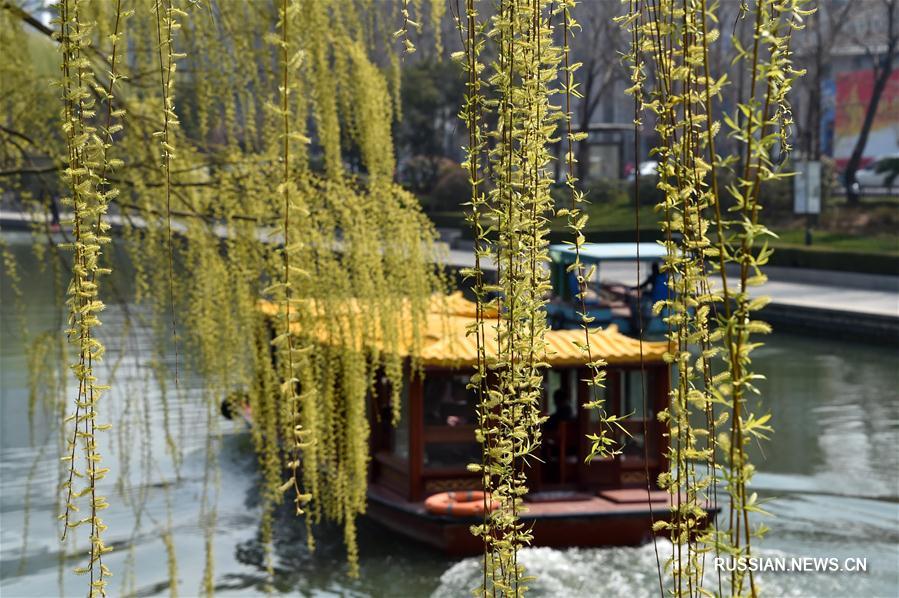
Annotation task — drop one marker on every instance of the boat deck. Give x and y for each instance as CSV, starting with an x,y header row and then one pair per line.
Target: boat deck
x,y
619,517
606,503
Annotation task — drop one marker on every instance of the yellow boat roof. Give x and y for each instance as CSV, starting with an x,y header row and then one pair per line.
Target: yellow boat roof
x,y
446,342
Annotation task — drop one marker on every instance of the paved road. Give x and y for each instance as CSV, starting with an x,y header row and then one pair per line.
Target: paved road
x,y
835,298
816,289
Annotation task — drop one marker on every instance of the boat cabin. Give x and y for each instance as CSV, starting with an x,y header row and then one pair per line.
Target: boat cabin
x,y
430,448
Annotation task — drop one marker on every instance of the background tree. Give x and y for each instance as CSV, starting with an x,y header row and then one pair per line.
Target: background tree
x,y
593,45
427,135
824,33
28,115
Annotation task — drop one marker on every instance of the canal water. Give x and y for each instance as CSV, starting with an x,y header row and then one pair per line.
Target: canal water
x,y
828,476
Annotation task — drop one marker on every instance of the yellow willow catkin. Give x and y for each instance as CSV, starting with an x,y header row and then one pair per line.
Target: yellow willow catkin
x,y
88,163
166,24
708,321
517,208
603,444
204,233
472,31
298,436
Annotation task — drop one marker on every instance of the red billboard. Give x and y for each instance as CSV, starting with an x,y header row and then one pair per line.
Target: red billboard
x,y
853,95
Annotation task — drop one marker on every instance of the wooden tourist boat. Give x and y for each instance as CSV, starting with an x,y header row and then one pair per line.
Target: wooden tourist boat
x,y
571,502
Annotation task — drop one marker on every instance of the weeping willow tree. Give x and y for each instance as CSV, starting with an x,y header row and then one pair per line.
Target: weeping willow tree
x,y
510,172
243,151
711,209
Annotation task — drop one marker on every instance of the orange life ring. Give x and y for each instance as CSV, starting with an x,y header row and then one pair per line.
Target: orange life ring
x,y
461,503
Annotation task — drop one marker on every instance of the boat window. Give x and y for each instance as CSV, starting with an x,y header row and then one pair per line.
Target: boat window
x,y
631,393
552,382
450,419
452,454
448,401
560,394
632,446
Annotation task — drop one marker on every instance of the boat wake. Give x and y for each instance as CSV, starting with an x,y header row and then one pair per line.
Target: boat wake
x,y
631,571
573,572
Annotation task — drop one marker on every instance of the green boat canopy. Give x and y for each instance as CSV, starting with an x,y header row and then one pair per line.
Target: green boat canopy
x,y
607,252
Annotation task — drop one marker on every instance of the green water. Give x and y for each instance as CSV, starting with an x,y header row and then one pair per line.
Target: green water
x,y
829,476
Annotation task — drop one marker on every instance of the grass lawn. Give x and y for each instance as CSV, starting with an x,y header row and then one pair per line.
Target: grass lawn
x,y
603,217
875,235
615,217
869,227
880,243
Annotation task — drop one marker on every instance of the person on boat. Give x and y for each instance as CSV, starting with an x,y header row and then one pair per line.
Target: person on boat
x,y
449,402
563,410
655,287
647,294
591,293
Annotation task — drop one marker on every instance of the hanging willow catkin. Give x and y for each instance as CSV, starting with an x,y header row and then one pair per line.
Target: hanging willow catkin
x,y
165,13
472,32
87,167
510,211
672,39
289,61
204,230
604,443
